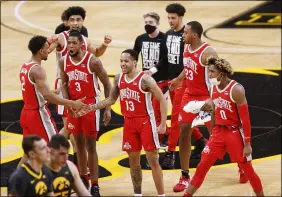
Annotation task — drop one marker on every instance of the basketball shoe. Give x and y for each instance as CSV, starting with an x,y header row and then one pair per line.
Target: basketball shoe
x,y
243,177
182,184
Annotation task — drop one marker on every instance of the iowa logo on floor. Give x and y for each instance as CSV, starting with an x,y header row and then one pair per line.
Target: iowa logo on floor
x,y
265,15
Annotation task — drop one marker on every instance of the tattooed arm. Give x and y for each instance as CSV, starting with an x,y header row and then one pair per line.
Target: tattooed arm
x,y
114,94
150,85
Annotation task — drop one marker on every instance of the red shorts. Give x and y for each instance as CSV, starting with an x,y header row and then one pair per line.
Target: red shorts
x,y
185,117
138,132
156,104
61,110
38,122
87,124
226,139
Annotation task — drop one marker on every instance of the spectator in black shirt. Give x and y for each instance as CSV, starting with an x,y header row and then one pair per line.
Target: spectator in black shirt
x,y
32,178
65,26
152,47
174,59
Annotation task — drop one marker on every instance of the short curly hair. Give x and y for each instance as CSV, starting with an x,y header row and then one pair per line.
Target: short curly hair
x,y
221,64
176,8
75,10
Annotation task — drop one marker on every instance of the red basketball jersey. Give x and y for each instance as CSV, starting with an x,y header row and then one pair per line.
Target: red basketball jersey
x,y
196,72
32,98
63,51
134,101
82,82
225,107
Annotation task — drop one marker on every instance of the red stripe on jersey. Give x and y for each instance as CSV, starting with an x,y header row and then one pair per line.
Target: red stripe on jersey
x,y
196,73
225,108
81,81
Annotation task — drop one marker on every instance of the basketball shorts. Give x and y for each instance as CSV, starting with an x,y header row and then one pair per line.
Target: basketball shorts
x,y
87,124
156,104
185,117
226,139
61,110
138,132
38,122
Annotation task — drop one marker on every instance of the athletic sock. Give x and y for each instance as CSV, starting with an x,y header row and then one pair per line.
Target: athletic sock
x,y
185,173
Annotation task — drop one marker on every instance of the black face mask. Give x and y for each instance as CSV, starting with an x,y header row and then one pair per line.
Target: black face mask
x,y
150,28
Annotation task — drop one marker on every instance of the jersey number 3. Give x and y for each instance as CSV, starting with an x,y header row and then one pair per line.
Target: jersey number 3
x,y
78,88
129,106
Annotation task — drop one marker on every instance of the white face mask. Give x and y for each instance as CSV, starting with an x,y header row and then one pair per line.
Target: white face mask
x,y
214,81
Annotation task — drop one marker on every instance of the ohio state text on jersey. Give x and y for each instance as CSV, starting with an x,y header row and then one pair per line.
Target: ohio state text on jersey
x,y
134,101
225,107
196,72
81,81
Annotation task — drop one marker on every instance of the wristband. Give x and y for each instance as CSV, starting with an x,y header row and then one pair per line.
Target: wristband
x,y
105,44
153,70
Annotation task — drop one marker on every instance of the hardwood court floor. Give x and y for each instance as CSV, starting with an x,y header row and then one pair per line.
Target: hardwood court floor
x,y
123,20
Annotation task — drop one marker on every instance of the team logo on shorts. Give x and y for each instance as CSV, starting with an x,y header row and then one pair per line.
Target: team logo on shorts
x,y
206,149
70,126
126,146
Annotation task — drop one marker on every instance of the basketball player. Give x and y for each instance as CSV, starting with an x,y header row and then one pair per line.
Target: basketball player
x,y
65,174
152,47
195,71
80,69
32,178
35,116
232,130
174,60
135,90
75,16
65,26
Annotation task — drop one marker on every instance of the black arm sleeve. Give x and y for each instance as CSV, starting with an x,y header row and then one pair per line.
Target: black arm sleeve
x,y
84,31
163,54
16,186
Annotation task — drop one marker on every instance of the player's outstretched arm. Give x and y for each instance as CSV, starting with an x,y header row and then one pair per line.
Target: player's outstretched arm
x,y
78,185
238,95
38,74
100,50
114,94
149,84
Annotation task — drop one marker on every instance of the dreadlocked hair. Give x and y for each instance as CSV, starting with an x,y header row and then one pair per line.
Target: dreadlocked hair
x,y
221,64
